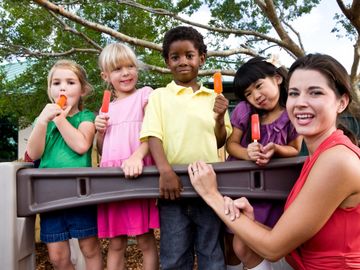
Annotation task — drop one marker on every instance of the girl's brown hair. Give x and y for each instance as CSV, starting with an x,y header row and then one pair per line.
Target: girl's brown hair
x,y
79,72
338,80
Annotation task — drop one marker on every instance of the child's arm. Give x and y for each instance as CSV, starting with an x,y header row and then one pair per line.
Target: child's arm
x,y
36,143
101,126
169,183
80,139
236,150
220,106
292,149
133,166
99,142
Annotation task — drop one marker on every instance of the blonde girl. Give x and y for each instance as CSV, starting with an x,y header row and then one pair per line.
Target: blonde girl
x,y
119,145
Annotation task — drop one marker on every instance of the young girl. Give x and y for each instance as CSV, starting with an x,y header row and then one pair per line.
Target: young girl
x,y
119,144
261,87
62,138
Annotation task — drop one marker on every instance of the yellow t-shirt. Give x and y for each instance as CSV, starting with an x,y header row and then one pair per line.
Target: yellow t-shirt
x,y
184,122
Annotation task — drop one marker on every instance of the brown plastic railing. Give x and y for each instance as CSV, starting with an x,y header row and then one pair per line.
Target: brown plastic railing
x,y
42,190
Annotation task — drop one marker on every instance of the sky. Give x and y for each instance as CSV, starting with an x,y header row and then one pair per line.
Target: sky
x,y
315,31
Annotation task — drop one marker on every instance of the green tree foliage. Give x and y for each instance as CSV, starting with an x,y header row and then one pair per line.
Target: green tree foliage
x,y
42,32
8,139
28,27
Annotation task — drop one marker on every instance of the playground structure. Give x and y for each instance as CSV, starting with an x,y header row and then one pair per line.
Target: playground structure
x,y
27,191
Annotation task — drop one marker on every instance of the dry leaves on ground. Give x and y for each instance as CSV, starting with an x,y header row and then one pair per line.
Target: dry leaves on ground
x,y
133,254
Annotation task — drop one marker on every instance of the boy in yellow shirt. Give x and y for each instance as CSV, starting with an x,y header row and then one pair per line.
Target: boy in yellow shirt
x,y
185,122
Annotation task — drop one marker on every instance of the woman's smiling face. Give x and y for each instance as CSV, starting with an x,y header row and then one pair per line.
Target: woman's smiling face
x,y
312,105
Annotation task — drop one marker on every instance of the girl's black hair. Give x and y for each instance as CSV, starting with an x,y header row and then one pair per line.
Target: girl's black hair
x,y
255,69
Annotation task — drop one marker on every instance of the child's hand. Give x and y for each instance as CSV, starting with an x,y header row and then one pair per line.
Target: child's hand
x,y
63,113
220,106
266,154
50,111
170,185
101,122
254,150
234,208
132,167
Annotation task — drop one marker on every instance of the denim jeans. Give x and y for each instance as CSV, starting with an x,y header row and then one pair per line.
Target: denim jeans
x,y
189,226
63,224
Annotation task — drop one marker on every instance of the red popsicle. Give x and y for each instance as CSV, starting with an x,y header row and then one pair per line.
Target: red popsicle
x,y
255,127
106,101
218,87
61,101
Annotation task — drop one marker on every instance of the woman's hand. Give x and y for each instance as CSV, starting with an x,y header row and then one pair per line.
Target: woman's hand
x,y
203,179
245,207
233,208
230,209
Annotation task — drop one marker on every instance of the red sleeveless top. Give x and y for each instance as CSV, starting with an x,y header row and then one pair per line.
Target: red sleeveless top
x,y
337,244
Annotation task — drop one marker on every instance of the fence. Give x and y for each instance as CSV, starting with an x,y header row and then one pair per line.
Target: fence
x,y
27,191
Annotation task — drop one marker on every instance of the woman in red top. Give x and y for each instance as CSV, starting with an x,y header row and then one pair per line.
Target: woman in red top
x,y
320,228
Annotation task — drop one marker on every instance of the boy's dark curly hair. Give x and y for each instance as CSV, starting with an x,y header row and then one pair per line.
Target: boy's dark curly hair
x,y
183,33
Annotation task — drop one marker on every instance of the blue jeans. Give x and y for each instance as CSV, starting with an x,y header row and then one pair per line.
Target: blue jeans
x,y
61,225
189,226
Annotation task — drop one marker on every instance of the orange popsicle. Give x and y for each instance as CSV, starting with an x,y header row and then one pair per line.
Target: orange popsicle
x,y
106,101
255,127
218,87
61,101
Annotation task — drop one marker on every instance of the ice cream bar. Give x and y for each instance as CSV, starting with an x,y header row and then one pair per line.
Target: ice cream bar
x,y
255,127
218,87
61,101
106,101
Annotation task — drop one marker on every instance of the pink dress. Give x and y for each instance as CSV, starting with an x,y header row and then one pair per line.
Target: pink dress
x,y
337,244
131,217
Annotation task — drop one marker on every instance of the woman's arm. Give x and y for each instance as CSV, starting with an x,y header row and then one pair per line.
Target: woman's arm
x,y
328,185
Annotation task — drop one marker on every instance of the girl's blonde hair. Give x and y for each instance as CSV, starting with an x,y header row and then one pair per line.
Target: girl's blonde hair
x,y
115,55
74,67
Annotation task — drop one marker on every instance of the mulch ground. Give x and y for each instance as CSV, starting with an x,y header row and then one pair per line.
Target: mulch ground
x,y
133,254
